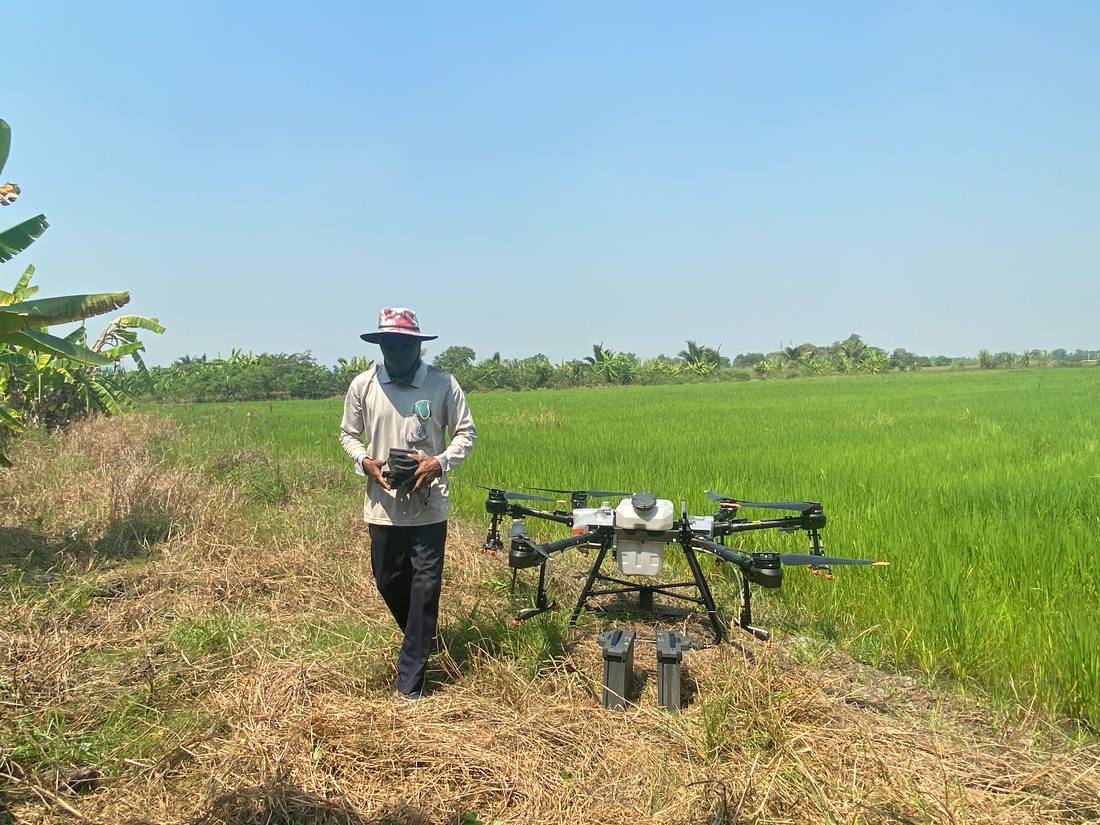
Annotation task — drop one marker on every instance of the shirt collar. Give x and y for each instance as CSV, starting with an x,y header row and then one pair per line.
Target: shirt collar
x,y
418,379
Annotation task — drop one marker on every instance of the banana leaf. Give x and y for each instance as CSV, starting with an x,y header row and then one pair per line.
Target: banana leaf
x,y
106,399
23,288
60,310
102,390
115,353
140,322
123,329
9,418
19,237
13,358
38,341
5,143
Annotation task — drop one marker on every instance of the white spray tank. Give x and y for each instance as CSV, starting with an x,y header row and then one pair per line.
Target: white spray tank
x,y
640,524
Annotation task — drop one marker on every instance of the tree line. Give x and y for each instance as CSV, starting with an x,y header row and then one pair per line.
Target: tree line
x,y
249,377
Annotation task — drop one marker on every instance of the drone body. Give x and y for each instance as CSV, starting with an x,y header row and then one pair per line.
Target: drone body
x,y
639,543
637,533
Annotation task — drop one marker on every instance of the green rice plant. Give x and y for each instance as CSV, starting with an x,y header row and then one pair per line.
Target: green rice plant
x,y
982,488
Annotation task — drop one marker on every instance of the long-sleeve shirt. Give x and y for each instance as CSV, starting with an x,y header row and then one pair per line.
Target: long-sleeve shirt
x,y
385,415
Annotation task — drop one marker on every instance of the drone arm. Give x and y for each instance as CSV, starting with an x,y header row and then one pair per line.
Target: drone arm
x,y
519,511
723,552
565,544
808,521
746,566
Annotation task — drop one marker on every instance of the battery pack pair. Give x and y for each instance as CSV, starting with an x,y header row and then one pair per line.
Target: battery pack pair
x,y
618,666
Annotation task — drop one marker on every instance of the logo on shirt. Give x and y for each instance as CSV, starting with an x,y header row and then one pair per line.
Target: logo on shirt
x,y
423,409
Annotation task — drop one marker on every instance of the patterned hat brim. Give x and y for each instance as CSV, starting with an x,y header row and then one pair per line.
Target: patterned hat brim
x,y
376,337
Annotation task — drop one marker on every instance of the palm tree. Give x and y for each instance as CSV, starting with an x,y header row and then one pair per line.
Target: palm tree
x,y
852,347
693,354
700,359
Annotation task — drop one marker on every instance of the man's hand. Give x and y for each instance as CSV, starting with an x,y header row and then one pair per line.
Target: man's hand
x,y
427,471
373,468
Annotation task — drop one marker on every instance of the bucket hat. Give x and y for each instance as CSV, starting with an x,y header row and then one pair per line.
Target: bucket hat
x,y
398,320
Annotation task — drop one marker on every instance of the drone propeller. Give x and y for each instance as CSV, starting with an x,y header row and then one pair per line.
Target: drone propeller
x,y
508,495
806,559
589,493
798,506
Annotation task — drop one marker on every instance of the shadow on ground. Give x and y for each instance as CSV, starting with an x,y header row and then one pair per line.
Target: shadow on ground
x,y
126,537
6,817
284,804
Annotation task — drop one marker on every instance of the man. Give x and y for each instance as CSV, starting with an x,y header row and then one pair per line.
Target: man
x,y
404,404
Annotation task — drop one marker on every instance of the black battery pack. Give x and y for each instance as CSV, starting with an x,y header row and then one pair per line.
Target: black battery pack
x,y
670,656
618,666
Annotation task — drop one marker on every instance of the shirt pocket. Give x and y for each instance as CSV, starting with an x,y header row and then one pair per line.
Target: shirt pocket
x,y
418,433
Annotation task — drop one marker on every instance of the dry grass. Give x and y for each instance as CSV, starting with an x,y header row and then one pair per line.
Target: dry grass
x,y
163,660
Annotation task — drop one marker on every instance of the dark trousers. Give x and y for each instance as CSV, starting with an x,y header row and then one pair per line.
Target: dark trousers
x,y
408,569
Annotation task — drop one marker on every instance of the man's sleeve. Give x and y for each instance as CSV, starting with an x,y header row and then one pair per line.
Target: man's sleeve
x,y
351,426
462,430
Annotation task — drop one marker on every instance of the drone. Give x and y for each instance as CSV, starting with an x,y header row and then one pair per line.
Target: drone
x,y
636,533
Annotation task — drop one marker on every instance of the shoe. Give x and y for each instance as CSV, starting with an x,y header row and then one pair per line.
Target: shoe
x,y
413,696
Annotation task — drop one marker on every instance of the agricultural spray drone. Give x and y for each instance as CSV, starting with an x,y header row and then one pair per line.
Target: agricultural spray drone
x,y
636,533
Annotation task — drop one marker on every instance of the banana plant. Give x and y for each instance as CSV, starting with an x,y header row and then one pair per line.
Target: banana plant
x,y
55,389
59,388
30,354
46,379
19,237
23,322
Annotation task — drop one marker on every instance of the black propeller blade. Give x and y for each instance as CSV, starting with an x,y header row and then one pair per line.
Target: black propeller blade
x,y
590,493
508,495
797,506
800,559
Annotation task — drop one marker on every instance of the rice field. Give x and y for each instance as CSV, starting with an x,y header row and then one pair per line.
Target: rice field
x,y
981,488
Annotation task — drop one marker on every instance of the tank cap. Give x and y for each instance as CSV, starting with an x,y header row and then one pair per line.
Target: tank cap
x,y
643,501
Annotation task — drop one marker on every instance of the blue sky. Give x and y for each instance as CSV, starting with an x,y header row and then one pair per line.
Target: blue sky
x,y
541,178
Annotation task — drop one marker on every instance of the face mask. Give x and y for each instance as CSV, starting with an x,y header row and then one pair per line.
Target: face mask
x,y
401,361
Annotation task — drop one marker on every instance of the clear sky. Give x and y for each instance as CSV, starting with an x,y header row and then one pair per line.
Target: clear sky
x,y
538,179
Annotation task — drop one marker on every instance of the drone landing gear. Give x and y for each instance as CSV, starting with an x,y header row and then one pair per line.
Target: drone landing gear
x,y
745,620
542,604
492,544
646,592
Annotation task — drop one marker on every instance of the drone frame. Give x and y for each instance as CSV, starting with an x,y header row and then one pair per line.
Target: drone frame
x,y
691,534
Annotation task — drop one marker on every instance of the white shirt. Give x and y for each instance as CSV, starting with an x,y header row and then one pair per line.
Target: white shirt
x,y
386,415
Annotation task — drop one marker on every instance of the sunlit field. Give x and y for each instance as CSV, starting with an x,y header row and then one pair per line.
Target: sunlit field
x,y
982,489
